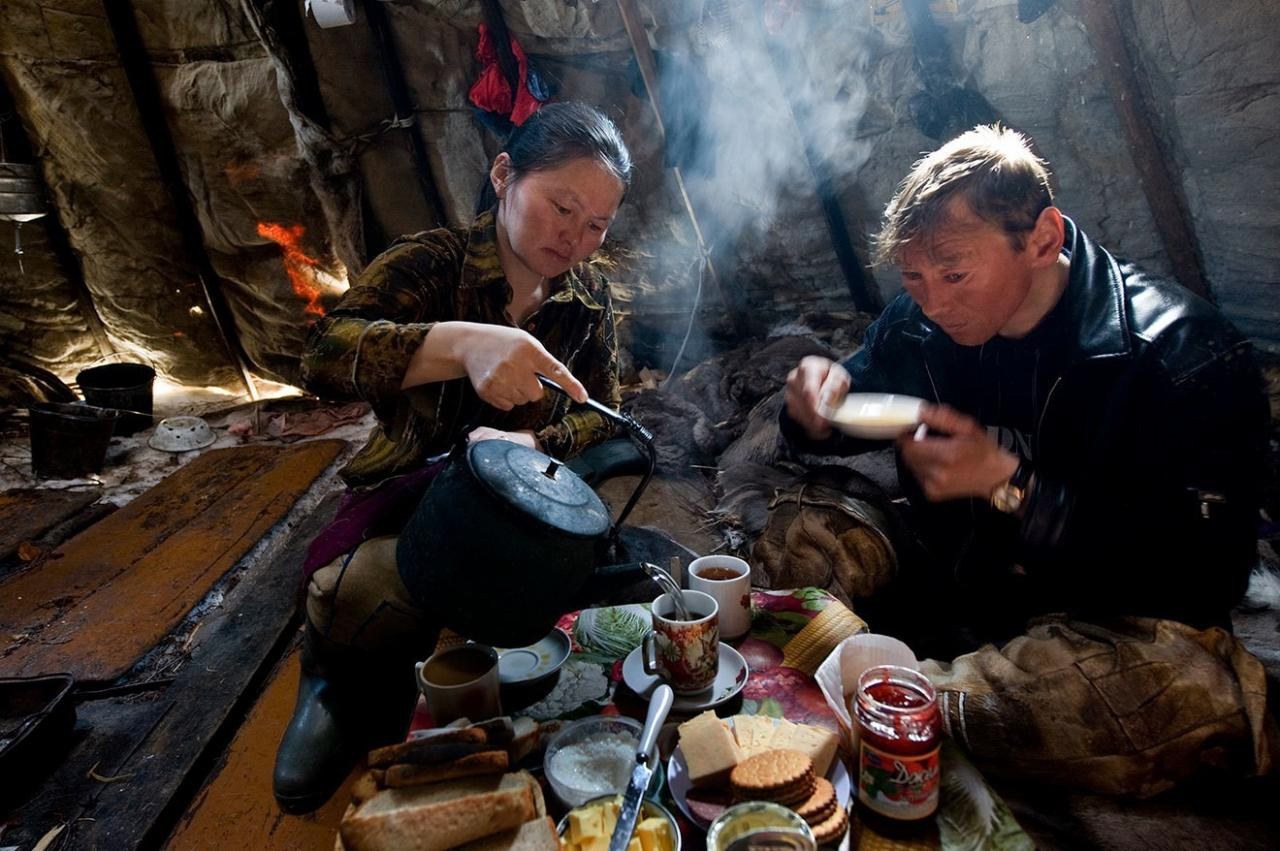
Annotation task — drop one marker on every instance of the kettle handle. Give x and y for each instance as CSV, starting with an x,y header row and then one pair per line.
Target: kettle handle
x,y
636,432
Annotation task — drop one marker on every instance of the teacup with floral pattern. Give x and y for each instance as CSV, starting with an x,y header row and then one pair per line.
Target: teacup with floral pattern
x,y
685,654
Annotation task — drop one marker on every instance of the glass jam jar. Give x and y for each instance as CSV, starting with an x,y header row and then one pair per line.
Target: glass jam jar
x,y
896,710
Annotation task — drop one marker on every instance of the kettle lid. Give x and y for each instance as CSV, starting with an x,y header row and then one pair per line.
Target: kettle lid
x,y
539,486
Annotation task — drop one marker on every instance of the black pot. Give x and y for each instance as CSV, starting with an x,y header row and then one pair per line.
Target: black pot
x,y
503,542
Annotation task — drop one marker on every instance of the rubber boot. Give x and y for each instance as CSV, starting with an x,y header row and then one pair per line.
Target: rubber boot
x,y
348,702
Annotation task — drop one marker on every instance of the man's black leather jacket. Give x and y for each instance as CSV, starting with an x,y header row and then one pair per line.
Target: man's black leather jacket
x,y
1148,451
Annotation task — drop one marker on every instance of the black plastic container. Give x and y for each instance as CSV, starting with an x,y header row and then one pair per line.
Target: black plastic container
x,y
36,718
127,387
69,441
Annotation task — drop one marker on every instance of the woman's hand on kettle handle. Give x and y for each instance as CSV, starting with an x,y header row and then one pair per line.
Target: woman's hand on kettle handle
x,y
501,362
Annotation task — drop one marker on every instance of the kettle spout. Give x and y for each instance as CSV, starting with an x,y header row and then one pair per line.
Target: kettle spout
x,y
616,584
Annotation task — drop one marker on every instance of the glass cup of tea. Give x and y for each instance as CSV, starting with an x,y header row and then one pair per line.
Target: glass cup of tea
x,y
728,579
461,682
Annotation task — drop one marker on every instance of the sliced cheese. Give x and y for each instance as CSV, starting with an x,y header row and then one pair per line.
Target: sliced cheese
x,y
818,743
754,733
709,749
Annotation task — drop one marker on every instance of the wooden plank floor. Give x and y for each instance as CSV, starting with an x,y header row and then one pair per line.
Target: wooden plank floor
x,y
106,596
235,809
154,749
28,513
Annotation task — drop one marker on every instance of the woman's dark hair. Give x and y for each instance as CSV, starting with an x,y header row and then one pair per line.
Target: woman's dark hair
x,y
558,133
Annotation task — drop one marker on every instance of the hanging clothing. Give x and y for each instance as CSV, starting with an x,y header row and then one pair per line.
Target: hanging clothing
x,y
492,92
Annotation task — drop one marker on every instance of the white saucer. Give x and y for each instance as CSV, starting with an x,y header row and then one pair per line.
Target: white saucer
x,y
731,676
525,665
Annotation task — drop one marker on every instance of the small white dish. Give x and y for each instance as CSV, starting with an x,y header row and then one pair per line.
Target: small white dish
x,y
678,783
877,416
731,676
535,662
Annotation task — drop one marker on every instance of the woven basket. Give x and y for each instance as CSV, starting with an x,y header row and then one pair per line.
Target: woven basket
x,y
814,643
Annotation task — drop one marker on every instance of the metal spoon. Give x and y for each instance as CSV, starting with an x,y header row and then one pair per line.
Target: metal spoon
x,y
668,584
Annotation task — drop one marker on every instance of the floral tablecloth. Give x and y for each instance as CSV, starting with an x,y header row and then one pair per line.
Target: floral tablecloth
x,y
590,683
780,685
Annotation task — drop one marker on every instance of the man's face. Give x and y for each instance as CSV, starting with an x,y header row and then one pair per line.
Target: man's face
x,y
555,218
969,279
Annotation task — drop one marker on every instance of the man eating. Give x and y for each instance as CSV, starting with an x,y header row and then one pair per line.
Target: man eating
x,y
1093,449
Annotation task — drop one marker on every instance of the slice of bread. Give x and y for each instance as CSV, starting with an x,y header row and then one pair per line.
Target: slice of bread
x,y
441,815
537,835
500,730
440,746
485,762
526,736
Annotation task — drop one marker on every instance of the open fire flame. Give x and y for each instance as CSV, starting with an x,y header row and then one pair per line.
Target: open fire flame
x,y
305,274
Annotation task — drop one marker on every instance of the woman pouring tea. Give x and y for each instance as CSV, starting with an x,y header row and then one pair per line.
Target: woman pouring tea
x,y
444,335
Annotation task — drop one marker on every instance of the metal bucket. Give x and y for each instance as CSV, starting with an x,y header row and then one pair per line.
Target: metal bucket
x,y
69,441
21,193
125,387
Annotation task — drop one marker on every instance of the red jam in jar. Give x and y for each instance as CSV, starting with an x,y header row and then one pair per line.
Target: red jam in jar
x,y
896,710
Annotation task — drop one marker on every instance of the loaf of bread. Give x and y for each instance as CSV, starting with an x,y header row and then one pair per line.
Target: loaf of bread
x,y
537,835
441,815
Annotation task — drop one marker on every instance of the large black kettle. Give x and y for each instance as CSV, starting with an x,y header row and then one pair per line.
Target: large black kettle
x,y
506,539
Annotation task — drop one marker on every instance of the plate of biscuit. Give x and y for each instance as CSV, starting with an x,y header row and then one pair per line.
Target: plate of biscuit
x,y
720,762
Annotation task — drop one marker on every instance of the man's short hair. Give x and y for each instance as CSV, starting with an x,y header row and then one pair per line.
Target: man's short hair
x,y
991,167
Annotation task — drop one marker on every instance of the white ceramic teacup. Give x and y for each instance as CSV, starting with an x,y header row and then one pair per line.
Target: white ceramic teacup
x,y
728,580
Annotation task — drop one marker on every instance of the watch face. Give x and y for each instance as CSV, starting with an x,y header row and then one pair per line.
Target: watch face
x,y
1007,498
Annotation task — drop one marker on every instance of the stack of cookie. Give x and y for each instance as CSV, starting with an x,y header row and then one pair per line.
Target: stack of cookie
x,y
786,777
823,813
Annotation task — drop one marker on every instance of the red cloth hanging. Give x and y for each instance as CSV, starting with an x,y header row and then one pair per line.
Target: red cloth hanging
x,y
492,92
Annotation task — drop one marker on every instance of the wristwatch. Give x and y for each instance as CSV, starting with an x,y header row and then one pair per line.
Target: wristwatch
x,y
1011,493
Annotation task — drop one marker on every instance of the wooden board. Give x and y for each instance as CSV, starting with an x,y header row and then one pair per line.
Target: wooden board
x,y
28,513
157,748
236,808
106,596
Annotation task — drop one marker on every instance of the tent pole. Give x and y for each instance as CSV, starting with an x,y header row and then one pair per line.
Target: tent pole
x,y
398,88
649,74
1168,207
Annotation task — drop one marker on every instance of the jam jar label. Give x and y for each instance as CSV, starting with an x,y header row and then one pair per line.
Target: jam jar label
x,y
898,787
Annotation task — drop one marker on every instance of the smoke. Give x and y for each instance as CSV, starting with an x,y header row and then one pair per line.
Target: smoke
x,y
763,115
782,76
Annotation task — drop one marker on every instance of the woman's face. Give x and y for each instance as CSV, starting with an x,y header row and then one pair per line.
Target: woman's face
x,y
553,219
